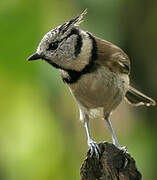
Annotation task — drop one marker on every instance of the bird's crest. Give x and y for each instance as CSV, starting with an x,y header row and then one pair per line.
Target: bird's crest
x,y
62,29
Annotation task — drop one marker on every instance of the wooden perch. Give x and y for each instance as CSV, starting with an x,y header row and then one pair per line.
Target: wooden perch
x,y
113,164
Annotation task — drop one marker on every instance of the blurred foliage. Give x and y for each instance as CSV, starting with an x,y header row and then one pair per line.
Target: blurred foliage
x,y
40,135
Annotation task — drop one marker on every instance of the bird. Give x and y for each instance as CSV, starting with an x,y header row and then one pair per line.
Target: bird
x,y
96,72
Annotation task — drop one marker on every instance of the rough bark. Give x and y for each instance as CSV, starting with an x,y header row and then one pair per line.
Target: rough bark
x,y
113,164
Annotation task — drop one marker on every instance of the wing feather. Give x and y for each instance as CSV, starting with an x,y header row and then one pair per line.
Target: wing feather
x,y
136,98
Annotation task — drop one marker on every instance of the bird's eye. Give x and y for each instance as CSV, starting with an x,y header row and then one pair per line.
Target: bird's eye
x,y
53,45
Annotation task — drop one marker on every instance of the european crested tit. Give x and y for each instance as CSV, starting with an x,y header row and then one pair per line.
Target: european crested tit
x,y
96,72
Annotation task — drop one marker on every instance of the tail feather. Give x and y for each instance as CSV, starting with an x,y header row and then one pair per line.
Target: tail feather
x,y
136,98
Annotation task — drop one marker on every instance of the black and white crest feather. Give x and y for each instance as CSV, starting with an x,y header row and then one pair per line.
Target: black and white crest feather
x,y
62,29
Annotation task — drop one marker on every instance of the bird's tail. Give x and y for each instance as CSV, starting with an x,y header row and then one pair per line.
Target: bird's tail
x,y
136,98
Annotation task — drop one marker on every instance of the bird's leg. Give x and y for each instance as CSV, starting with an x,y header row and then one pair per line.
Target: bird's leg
x,y
91,144
114,137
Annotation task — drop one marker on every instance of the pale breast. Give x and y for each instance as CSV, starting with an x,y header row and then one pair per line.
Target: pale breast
x,y
100,89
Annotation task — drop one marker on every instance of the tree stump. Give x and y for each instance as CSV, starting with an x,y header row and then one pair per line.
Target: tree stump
x,y
113,164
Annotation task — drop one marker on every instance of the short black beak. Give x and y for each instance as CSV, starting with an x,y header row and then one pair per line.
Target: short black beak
x,y
34,56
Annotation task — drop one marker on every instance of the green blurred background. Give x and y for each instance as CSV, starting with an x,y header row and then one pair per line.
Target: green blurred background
x,y
41,137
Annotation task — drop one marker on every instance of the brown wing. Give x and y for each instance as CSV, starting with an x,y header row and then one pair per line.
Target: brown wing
x,y
112,56
116,60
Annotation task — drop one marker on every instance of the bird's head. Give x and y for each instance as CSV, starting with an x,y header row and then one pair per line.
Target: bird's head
x,y
62,46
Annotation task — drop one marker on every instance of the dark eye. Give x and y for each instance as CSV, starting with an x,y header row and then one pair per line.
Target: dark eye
x,y
53,45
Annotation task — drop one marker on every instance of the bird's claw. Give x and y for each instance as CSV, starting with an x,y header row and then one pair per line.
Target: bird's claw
x,y
124,149
94,148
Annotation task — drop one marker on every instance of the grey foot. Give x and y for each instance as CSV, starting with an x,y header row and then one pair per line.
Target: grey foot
x,y
94,148
124,149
